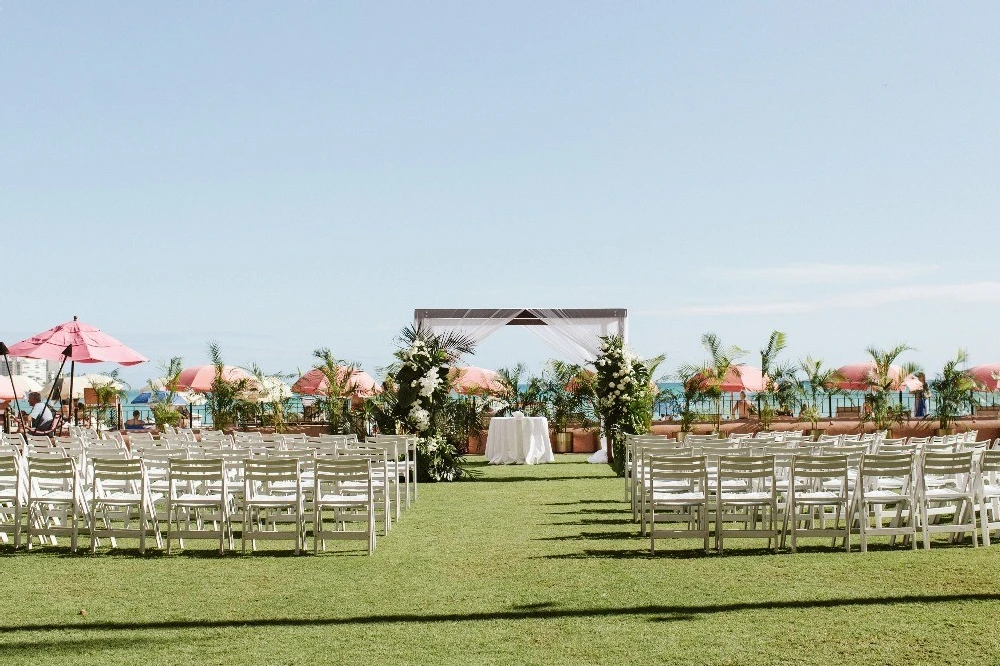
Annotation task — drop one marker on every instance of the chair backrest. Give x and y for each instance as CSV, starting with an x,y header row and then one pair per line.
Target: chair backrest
x,y
678,467
820,467
990,461
271,470
746,467
339,470
10,465
854,453
910,447
887,465
202,469
936,463
125,469
46,467
140,436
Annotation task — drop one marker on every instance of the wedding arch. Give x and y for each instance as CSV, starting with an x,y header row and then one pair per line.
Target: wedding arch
x,y
574,332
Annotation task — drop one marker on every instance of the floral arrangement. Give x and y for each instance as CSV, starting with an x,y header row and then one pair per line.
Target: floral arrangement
x,y
625,395
422,387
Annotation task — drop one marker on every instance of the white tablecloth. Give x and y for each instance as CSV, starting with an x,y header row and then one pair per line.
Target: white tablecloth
x,y
519,440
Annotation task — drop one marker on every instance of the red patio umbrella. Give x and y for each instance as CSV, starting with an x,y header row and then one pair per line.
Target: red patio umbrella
x,y
987,375
79,343
857,377
315,382
741,378
200,377
474,380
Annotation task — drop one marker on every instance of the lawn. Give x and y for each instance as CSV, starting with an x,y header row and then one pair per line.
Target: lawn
x,y
528,565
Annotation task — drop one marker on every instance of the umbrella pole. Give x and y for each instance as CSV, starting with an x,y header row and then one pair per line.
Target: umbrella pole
x,y
17,404
66,354
72,402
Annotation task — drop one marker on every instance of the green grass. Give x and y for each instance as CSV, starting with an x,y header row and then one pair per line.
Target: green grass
x,y
529,565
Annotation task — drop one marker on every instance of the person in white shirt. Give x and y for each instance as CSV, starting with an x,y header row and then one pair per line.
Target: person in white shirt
x,y
40,415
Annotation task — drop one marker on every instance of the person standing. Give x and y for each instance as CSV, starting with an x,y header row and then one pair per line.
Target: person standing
x,y
741,408
920,397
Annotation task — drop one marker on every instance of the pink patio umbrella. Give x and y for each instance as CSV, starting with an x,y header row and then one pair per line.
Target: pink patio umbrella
x,y
742,378
856,377
315,382
474,380
987,375
79,343
200,377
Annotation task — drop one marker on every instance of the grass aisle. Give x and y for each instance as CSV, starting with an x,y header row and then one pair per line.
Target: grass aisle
x,y
535,565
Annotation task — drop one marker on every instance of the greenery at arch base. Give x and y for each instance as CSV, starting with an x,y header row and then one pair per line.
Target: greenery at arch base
x,y
422,385
625,395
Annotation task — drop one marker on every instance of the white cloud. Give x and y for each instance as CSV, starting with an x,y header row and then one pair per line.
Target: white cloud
x,y
972,292
831,273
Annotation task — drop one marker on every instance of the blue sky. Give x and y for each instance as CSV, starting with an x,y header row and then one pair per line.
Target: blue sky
x,y
284,176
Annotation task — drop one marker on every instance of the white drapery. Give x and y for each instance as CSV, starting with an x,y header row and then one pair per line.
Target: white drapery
x,y
574,333
578,338
463,322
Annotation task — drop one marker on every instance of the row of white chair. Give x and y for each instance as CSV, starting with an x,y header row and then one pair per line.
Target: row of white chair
x,y
909,491
25,489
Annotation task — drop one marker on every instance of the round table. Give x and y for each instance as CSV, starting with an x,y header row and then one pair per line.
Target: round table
x,y
518,440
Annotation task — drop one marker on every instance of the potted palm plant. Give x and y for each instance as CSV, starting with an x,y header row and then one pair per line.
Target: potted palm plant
x,y
162,407
881,382
683,401
107,394
714,372
818,382
951,392
562,395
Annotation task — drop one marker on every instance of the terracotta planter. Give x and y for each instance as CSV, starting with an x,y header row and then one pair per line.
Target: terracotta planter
x,y
942,432
816,433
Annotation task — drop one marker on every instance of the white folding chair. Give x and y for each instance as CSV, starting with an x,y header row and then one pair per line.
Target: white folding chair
x,y
818,485
12,497
263,503
756,502
988,493
952,493
678,487
50,508
197,489
352,504
111,504
872,495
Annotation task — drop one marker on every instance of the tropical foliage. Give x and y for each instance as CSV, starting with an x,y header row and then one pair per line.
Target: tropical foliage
x,y
335,400
819,382
721,360
107,395
422,384
519,392
226,401
952,389
685,400
161,405
625,395
880,409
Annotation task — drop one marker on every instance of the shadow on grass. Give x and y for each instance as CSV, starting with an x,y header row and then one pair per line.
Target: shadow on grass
x,y
588,501
55,647
540,611
519,479
594,521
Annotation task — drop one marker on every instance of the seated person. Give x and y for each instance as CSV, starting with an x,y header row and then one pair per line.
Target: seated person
x,y
135,423
40,420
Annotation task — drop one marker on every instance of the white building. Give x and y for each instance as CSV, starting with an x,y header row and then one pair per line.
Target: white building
x,y
39,370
